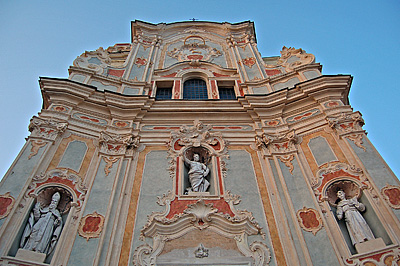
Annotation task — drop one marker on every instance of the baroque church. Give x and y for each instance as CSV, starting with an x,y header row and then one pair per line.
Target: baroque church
x,y
186,146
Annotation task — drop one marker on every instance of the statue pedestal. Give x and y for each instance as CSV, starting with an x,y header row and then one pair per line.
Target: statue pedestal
x,y
370,245
28,255
192,193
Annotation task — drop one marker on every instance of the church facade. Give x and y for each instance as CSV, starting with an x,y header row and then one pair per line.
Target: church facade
x,y
187,147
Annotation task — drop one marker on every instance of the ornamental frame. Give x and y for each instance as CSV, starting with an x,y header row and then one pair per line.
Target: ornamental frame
x,y
198,136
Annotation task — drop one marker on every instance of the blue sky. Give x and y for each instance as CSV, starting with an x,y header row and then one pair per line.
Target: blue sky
x,y
361,38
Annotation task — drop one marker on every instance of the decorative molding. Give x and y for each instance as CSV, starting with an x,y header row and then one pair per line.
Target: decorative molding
x,y
309,220
387,257
36,145
249,61
115,144
279,144
392,195
200,216
348,125
6,204
94,60
287,160
289,64
201,252
61,178
338,176
60,108
90,119
110,161
46,129
194,49
91,225
358,140
198,135
304,115
140,61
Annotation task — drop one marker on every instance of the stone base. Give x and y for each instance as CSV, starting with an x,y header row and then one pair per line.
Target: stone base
x,y
370,245
28,255
192,193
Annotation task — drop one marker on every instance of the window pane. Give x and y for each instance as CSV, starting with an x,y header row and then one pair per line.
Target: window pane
x,y
195,89
227,93
163,93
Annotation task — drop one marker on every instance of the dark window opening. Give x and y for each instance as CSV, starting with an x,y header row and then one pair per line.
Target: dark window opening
x,y
195,89
227,93
164,90
164,93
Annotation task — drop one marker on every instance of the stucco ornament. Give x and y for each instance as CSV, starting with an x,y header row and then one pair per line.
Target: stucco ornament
x,y
200,217
115,144
46,129
392,195
201,251
348,125
282,145
292,58
309,219
279,144
194,49
6,204
356,225
338,176
199,136
198,172
43,228
91,226
94,60
36,145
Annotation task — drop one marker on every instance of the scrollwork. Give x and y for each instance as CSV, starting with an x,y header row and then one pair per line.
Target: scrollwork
x,y
277,144
46,129
115,144
301,58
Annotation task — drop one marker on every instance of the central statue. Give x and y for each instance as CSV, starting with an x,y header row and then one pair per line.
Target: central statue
x,y
43,228
197,174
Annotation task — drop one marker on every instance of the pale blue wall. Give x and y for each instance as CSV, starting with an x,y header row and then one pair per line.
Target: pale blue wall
x,y
376,168
321,150
288,84
286,209
301,196
84,252
73,155
101,87
16,178
113,214
241,180
155,182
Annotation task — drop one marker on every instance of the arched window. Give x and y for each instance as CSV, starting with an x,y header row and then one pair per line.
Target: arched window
x,y
195,89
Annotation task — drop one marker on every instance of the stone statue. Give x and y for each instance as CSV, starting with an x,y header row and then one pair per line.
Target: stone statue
x,y
43,228
197,173
356,225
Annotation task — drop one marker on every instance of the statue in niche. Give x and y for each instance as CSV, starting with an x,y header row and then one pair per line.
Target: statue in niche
x,y
43,228
356,225
197,174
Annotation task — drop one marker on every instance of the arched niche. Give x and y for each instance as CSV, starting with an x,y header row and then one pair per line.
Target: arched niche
x,y
353,190
36,204
206,159
211,148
